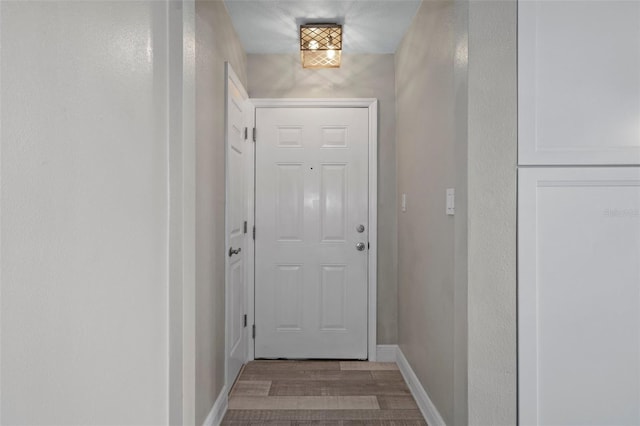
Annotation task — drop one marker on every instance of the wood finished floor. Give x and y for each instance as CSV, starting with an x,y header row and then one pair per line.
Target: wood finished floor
x,y
343,393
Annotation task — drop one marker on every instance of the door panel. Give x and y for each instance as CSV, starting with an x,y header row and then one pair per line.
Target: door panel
x,y
333,202
288,297
311,194
333,302
289,202
579,296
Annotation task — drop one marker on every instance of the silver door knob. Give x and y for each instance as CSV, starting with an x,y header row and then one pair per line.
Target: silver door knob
x,y
360,228
360,246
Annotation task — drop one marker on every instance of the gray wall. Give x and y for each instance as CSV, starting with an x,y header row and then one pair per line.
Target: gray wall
x,y
426,167
216,42
361,76
492,212
456,87
84,145
461,92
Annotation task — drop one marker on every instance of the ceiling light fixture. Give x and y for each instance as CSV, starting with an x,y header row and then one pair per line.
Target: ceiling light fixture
x,y
320,45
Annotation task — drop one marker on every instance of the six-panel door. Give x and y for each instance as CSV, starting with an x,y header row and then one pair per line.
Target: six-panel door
x,y
311,213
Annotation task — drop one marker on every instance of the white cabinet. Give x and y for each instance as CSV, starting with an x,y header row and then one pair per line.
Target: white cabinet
x,y
579,82
579,296
579,227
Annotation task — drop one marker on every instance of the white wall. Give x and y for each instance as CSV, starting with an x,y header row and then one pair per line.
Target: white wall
x,y
216,42
84,213
181,254
360,76
492,157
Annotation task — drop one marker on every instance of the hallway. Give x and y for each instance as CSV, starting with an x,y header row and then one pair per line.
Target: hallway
x,y
116,256
321,393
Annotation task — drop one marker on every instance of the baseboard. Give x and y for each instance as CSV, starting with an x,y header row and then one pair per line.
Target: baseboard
x,y
386,353
429,411
218,410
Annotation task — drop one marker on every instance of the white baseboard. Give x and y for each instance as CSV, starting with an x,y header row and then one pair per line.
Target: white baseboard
x,y
429,411
386,353
218,410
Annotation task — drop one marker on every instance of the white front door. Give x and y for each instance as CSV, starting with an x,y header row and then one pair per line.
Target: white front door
x,y
311,233
236,214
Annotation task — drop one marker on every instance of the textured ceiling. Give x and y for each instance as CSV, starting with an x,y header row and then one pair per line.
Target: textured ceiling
x,y
370,26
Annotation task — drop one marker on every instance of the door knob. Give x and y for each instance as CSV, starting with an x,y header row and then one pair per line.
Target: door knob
x,y
360,228
360,246
232,251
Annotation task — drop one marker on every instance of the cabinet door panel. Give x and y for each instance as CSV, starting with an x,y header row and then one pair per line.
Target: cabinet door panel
x,y
579,82
579,296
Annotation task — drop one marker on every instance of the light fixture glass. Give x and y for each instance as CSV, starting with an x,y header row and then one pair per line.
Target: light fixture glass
x,y
321,45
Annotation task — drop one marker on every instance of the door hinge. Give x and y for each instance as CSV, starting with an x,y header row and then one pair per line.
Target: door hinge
x,y
254,134
253,333
245,226
246,133
244,320
254,233
368,245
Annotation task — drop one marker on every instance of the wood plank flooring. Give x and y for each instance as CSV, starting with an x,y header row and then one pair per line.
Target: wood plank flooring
x,y
342,393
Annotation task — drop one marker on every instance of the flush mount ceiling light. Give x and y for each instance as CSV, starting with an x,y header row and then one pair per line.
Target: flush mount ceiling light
x,y
320,45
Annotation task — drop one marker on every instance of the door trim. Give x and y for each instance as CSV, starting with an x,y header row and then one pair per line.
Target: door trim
x,y
372,105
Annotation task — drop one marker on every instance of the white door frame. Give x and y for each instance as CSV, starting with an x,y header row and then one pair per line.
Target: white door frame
x,y
372,105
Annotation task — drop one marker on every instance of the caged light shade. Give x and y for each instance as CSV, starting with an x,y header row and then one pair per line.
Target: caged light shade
x,y
320,45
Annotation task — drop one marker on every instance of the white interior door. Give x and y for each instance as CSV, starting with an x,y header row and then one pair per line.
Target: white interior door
x,y
311,217
236,214
579,296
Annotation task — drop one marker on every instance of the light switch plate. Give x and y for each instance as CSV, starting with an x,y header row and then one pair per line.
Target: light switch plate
x,y
451,202
404,202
